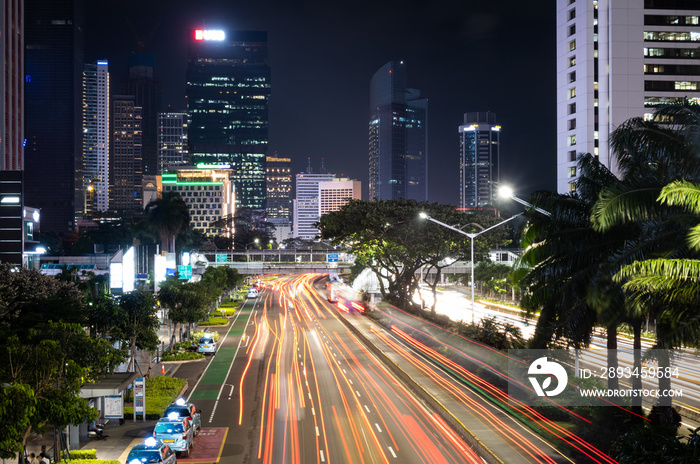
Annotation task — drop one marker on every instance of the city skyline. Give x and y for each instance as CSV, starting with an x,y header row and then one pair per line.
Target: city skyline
x,y
322,58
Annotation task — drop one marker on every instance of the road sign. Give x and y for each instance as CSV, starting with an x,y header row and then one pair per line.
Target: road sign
x,y
332,257
221,258
185,272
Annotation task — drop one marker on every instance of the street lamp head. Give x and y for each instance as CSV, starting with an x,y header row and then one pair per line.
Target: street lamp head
x,y
423,215
505,192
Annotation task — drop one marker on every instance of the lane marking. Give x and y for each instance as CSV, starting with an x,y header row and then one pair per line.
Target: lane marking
x,y
366,408
358,393
318,434
392,452
323,458
377,425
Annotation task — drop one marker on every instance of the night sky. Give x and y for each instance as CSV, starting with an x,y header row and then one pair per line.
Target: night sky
x,y
463,55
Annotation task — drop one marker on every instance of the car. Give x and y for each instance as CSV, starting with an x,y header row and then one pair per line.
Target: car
x,y
185,409
252,293
151,450
206,344
176,432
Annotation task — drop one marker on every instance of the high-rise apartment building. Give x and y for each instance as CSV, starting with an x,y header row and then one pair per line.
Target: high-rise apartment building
x,y
96,138
172,141
617,60
398,137
228,88
279,187
54,45
147,92
208,194
479,167
126,173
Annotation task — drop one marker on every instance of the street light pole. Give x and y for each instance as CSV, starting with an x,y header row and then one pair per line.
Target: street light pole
x,y
471,235
507,192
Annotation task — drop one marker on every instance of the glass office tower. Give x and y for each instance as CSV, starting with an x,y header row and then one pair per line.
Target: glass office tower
x,y
54,44
398,137
479,167
228,89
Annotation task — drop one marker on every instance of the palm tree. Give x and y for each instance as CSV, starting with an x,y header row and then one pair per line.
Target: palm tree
x,y
169,216
650,155
567,265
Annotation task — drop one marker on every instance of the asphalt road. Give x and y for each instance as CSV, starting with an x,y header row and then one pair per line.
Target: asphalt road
x,y
291,384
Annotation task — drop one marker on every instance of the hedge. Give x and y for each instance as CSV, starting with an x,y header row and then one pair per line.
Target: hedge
x,y
215,321
181,356
160,392
91,461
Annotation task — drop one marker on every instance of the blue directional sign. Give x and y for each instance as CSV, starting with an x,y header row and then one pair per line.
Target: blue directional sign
x,y
332,257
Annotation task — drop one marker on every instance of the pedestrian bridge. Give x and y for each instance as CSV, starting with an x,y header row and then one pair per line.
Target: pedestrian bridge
x,y
255,262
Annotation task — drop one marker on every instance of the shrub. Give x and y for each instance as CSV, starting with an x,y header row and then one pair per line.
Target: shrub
x,y
215,321
181,356
83,454
91,461
160,392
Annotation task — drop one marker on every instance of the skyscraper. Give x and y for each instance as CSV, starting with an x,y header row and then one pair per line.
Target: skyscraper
x,y
96,138
172,141
279,187
615,61
479,167
126,162
11,131
228,88
54,62
147,95
307,205
12,90
398,137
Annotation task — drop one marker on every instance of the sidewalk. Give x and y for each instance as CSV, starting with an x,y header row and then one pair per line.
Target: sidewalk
x,y
121,438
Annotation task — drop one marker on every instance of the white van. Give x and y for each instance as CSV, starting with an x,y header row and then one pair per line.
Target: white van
x,y
252,293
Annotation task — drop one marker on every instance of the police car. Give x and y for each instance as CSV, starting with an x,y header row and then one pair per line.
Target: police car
x,y
151,450
176,432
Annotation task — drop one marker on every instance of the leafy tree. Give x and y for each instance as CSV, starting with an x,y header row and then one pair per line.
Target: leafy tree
x,y
186,303
170,217
51,362
17,405
28,298
140,323
394,242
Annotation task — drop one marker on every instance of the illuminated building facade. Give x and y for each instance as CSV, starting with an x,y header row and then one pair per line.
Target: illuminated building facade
x,y
126,163
54,46
615,61
307,205
228,88
96,138
479,167
336,193
209,194
398,137
279,187
172,141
